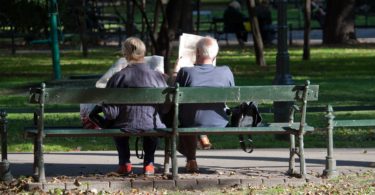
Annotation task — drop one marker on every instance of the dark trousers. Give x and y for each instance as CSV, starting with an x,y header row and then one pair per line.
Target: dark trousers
x,y
122,146
187,146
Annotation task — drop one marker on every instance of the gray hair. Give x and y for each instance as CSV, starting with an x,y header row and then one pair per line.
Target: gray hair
x,y
208,47
133,49
235,4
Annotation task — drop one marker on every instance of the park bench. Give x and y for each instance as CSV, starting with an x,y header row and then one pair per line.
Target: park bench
x,y
330,170
218,29
299,95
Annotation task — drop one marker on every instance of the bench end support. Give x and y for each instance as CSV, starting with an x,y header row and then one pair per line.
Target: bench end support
x,y
5,174
330,170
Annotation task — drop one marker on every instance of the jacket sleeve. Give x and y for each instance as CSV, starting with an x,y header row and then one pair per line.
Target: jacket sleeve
x,y
117,66
111,111
182,78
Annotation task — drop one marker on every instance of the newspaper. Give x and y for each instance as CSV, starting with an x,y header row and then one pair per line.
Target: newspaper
x,y
155,62
186,50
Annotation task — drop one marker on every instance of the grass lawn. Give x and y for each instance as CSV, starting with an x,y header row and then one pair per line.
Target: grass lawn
x,y
346,77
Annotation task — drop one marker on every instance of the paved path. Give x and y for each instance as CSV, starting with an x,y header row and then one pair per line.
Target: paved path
x,y
218,168
364,35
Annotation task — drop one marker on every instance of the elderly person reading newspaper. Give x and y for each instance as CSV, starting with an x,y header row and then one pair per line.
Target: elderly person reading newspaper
x,y
155,62
134,117
202,74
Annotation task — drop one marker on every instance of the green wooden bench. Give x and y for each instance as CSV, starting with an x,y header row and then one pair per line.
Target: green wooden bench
x,y
330,170
299,94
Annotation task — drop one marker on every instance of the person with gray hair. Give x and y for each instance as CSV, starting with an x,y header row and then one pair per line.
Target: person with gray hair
x,y
202,74
135,117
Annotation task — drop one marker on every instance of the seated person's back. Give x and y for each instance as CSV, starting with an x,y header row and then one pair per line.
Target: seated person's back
x,y
202,74
205,75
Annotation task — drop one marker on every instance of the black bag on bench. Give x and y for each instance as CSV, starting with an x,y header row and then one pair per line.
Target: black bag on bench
x,y
246,115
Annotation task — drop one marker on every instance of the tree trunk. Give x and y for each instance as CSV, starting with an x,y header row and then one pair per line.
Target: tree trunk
x,y
82,28
158,7
175,11
186,18
339,22
147,24
129,28
142,9
257,37
307,29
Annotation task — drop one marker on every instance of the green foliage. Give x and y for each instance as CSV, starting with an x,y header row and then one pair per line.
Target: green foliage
x,y
27,16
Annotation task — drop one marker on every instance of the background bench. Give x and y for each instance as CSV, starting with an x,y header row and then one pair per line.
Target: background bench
x,y
173,96
330,170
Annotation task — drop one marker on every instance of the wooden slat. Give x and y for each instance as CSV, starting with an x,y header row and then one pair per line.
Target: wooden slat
x,y
114,96
79,132
266,128
244,93
187,95
354,123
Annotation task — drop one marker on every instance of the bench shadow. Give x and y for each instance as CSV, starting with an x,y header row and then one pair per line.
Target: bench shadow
x,y
58,169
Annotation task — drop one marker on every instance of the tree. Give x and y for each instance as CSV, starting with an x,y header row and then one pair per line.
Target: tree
x,y
307,28
178,14
339,22
257,37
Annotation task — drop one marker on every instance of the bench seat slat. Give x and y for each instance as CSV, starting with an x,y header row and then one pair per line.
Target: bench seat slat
x,y
268,128
280,128
354,123
79,132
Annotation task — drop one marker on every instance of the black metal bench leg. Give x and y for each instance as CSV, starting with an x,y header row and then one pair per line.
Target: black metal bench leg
x,y
330,170
167,155
40,162
39,138
36,160
302,156
174,157
5,174
292,153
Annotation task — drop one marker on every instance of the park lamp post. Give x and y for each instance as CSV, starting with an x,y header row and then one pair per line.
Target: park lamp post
x,y
282,76
54,40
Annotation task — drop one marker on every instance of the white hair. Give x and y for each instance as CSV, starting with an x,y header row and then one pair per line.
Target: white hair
x,y
133,49
208,47
235,4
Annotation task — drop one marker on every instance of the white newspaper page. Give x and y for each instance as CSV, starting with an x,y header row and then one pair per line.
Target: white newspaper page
x,y
187,49
155,62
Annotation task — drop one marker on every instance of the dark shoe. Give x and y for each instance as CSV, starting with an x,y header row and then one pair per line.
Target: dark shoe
x,y
149,169
125,169
192,166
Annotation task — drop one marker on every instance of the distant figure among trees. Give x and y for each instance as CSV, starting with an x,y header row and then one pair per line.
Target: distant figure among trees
x,y
263,12
234,21
317,12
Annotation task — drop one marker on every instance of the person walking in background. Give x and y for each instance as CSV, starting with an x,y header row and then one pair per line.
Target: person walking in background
x,y
202,74
135,117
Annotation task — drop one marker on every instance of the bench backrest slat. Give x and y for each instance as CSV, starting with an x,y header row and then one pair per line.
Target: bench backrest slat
x,y
187,94
244,93
114,96
354,123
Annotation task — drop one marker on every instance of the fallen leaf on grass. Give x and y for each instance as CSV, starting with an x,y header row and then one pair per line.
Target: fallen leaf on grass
x,y
113,174
77,183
